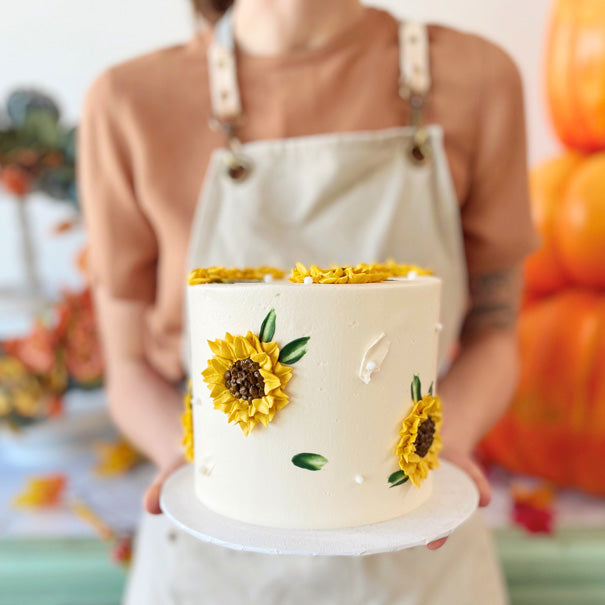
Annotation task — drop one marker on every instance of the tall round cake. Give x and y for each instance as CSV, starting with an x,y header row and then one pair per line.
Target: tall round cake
x,y
312,403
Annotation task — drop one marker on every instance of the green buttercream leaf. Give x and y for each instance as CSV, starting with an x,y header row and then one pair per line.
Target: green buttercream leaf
x,y
310,462
431,389
294,350
398,478
416,388
267,329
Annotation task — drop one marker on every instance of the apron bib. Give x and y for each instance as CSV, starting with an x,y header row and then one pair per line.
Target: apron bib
x,y
326,199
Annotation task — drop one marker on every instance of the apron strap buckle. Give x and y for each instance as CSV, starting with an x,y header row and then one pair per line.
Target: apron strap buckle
x,y
238,166
420,150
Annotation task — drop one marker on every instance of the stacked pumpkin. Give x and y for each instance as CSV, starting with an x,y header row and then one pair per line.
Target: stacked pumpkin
x,y
555,427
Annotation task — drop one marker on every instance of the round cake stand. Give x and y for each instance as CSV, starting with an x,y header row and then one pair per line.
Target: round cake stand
x,y
453,499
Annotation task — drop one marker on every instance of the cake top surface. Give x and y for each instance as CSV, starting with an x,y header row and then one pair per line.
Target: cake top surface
x,y
337,275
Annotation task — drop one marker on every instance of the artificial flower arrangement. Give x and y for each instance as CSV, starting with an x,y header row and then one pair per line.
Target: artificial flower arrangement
x,y
37,152
61,351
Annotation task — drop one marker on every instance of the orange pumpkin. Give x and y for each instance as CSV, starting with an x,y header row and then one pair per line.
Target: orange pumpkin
x,y
555,427
580,223
575,68
543,271
568,206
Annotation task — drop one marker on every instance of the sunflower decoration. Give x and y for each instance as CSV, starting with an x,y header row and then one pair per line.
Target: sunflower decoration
x,y
248,374
359,274
187,421
221,275
420,442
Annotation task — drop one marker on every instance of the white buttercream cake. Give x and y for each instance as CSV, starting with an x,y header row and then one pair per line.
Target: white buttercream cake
x,y
302,411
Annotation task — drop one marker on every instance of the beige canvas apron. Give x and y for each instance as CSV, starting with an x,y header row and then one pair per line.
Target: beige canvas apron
x,y
337,198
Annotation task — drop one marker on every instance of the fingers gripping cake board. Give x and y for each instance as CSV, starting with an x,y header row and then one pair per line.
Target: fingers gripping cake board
x,y
312,402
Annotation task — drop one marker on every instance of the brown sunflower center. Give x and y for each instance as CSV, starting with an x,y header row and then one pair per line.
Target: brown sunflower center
x,y
425,437
244,380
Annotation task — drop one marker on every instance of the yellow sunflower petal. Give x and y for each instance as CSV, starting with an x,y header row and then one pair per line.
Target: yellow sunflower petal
x,y
215,346
281,403
211,376
242,348
283,372
279,394
220,365
272,350
224,397
261,405
217,389
221,348
254,341
209,371
272,382
263,360
221,407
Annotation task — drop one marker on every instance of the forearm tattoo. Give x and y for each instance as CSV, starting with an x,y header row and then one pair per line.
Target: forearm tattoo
x,y
495,301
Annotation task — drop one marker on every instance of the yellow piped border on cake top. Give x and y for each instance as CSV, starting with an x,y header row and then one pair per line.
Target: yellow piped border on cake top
x,y
213,275
362,273
359,274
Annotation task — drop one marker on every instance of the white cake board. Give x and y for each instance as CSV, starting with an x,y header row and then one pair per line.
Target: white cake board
x,y
453,500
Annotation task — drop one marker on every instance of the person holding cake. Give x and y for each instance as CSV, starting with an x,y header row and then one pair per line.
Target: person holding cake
x,y
317,132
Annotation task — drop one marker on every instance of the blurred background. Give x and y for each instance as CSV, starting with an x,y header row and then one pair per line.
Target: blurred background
x,y
70,487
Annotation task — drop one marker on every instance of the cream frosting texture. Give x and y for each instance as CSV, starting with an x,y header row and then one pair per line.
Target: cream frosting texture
x,y
331,413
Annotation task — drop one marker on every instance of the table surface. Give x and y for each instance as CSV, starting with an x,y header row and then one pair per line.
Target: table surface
x,y
66,448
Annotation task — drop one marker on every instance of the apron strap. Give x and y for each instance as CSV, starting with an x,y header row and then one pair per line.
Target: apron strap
x,y
415,82
227,115
222,72
414,60
414,65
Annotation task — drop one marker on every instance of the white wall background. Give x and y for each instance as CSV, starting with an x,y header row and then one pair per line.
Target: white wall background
x,y
62,45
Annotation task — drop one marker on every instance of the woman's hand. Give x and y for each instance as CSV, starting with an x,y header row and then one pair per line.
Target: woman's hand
x,y
480,383
471,468
151,499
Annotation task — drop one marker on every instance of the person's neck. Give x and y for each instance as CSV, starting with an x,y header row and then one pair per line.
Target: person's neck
x,y
275,27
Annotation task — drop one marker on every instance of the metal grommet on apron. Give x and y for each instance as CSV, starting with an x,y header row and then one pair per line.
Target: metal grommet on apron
x,y
237,165
337,198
